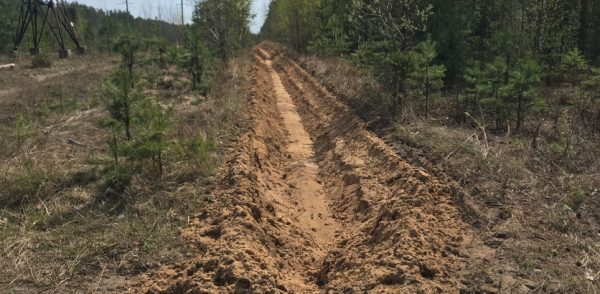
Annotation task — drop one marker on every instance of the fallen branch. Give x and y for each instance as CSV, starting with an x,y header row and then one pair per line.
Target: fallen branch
x,y
9,66
99,279
485,139
73,142
37,195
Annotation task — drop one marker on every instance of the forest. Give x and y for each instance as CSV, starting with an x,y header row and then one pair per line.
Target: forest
x,y
493,56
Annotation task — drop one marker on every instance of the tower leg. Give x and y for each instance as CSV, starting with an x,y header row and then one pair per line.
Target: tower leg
x,y
62,54
35,15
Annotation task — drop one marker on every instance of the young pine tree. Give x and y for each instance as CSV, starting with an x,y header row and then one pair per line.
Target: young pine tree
x,y
120,98
493,77
523,86
573,67
128,46
391,68
22,130
150,142
331,40
591,92
113,143
591,85
195,60
427,78
475,85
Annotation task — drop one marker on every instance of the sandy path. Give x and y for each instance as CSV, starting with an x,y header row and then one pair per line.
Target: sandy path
x,y
312,202
302,173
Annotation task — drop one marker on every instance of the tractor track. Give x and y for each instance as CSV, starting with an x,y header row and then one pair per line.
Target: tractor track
x,y
310,201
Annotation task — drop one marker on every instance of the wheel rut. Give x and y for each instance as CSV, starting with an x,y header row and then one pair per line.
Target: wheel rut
x,y
306,193
309,201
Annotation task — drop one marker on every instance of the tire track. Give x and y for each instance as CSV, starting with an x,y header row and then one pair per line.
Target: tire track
x,y
412,235
302,172
269,225
309,201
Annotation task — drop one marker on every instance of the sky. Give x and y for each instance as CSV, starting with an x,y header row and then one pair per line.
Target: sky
x,y
169,10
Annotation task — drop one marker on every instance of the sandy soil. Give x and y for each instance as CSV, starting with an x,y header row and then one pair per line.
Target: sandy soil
x,y
311,202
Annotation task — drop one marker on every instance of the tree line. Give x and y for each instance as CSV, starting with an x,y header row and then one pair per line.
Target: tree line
x,y
492,56
98,29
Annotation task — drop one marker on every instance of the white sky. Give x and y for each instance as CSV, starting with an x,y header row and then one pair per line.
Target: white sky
x,y
169,10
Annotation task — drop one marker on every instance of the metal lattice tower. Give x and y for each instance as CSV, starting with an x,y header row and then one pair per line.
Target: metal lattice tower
x,y
39,14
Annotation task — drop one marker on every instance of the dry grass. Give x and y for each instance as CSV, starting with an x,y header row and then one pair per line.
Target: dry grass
x,y
57,233
358,88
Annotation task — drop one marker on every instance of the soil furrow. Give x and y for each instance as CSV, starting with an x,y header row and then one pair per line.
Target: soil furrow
x,y
312,202
412,235
269,225
302,173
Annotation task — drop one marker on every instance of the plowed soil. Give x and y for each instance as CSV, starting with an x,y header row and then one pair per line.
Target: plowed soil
x,y
311,202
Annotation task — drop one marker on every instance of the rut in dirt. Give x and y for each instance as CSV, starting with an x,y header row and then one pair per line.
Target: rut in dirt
x,y
310,201
302,173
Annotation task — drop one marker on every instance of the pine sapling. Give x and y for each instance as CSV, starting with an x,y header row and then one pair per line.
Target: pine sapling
x,y
428,78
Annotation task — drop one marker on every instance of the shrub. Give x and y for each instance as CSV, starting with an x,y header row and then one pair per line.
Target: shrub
x,y
22,184
578,197
150,143
22,130
117,179
60,101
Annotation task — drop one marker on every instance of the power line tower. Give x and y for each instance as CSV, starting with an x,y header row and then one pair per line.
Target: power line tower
x,y
39,14
182,15
181,30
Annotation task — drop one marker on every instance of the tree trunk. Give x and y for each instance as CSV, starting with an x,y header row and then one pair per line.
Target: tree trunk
x,y
397,97
497,115
115,148
598,120
223,47
507,72
426,90
583,26
536,135
456,99
297,25
520,113
542,28
127,131
127,119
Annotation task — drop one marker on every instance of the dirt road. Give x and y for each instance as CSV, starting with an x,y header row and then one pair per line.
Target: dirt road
x,y
310,201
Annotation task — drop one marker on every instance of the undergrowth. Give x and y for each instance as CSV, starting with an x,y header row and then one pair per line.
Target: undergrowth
x,y
58,230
